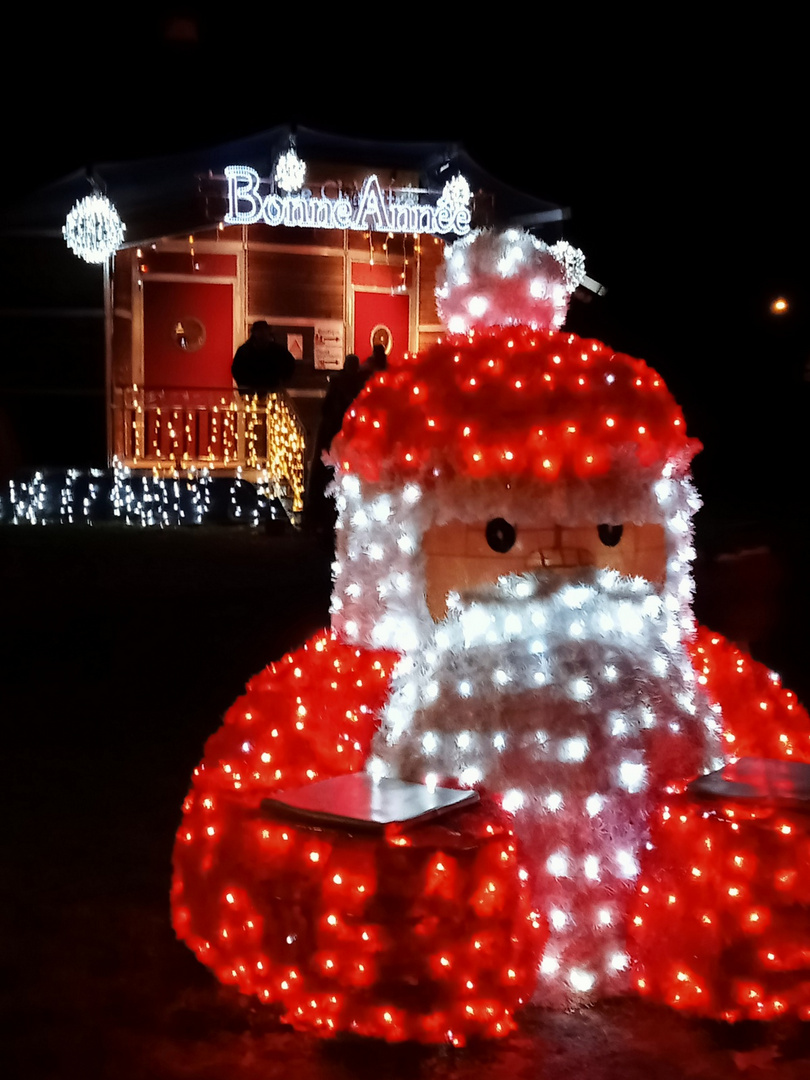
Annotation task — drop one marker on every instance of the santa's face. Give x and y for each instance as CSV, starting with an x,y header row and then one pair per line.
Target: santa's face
x,y
402,553
507,616
463,557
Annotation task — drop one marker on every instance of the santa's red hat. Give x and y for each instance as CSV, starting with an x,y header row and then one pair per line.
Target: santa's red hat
x,y
512,396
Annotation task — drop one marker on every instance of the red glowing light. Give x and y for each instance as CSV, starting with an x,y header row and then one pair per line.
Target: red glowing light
x,y
755,891
333,978
496,363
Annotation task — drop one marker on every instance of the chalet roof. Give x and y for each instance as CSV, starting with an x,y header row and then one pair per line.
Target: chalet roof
x,y
172,195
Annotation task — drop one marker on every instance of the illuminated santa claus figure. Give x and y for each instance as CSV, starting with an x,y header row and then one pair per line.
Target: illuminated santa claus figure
x,y
515,524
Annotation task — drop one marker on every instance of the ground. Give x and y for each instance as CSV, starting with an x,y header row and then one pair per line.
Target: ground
x,y
123,649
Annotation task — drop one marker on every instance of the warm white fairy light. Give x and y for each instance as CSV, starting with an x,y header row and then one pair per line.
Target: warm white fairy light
x,y
93,230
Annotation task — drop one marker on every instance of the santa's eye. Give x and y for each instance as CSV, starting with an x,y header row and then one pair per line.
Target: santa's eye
x,y
610,535
500,534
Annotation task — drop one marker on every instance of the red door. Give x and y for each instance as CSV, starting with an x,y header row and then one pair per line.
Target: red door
x,y
381,317
187,334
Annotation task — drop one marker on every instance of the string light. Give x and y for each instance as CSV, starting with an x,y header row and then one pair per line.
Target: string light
x,y
201,430
155,498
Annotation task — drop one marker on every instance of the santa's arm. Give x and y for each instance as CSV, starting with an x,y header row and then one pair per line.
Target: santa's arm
x,y
307,717
760,718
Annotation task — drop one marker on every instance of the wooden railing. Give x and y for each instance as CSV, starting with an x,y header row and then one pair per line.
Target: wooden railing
x,y
213,429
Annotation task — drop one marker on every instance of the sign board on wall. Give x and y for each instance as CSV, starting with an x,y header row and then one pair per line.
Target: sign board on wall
x,y
328,349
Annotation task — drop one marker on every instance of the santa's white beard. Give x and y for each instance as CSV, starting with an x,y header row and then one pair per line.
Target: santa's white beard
x,y
576,703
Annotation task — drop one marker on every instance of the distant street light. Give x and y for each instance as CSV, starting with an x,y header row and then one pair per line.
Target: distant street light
x,y
779,306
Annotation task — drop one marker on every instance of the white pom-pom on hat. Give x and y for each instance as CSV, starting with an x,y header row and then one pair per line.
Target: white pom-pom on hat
x,y
507,279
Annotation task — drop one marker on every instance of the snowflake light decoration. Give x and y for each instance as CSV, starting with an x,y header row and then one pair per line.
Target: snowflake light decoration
x,y
456,194
93,230
290,172
572,261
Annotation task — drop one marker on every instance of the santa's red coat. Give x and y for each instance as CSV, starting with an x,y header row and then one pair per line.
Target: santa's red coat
x,y
311,716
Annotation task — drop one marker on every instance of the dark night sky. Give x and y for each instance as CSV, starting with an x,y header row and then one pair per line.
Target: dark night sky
x,y
679,148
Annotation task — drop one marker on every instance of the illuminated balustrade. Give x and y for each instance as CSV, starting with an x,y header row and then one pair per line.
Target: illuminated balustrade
x,y
191,428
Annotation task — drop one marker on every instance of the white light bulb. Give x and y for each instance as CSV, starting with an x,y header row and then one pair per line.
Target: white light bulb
x,y
557,918
581,689
632,776
512,801
618,723
628,867
581,980
575,749
557,864
377,769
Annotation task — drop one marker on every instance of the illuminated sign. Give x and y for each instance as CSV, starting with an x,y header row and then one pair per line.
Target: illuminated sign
x,y
372,209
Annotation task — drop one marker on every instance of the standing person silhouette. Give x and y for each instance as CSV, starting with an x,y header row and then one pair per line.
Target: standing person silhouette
x,y
262,365
344,386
